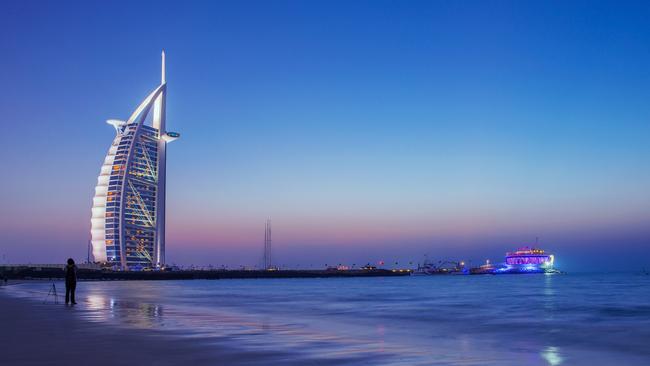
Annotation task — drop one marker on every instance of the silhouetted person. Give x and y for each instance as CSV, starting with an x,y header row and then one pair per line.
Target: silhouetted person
x,y
70,281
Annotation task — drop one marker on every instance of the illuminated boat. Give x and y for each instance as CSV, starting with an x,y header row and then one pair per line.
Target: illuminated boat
x,y
527,260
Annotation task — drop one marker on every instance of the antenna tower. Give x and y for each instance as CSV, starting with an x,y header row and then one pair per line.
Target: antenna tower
x,y
268,264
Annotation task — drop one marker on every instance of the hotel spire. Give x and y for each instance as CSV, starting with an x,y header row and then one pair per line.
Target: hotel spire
x,y
162,75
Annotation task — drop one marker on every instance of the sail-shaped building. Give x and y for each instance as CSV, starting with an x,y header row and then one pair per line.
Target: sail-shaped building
x,y
128,213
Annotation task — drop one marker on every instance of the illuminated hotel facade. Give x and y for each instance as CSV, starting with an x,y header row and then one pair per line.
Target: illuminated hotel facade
x,y
128,212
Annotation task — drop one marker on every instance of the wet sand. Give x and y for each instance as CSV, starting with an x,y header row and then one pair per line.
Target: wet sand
x,y
33,333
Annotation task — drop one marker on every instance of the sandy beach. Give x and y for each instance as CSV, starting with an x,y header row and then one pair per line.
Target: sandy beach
x,y
37,333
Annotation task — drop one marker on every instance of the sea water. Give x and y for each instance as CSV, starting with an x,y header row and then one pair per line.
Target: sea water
x,y
536,319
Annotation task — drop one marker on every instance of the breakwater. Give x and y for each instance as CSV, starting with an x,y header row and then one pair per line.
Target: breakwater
x,y
22,273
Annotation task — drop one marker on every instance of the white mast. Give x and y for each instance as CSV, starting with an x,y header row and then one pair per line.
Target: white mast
x,y
162,77
159,123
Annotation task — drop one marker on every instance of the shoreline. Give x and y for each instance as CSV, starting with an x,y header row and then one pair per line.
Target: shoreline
x,y
329,322
38,333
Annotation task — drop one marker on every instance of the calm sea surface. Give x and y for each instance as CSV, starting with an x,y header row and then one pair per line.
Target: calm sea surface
x,y
572,319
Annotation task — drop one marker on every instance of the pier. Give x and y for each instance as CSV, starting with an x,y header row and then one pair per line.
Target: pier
x,y
91,274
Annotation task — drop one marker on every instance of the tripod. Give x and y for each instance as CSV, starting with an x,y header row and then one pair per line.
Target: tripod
x,y
53,293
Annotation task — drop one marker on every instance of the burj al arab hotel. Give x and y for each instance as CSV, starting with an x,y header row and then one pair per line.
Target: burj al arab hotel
x,y
128,214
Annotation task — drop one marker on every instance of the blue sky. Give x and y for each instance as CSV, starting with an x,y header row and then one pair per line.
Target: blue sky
x,y
366,130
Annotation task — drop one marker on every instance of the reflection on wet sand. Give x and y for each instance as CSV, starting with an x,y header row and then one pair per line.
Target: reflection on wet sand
x,y
223,325
141,315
